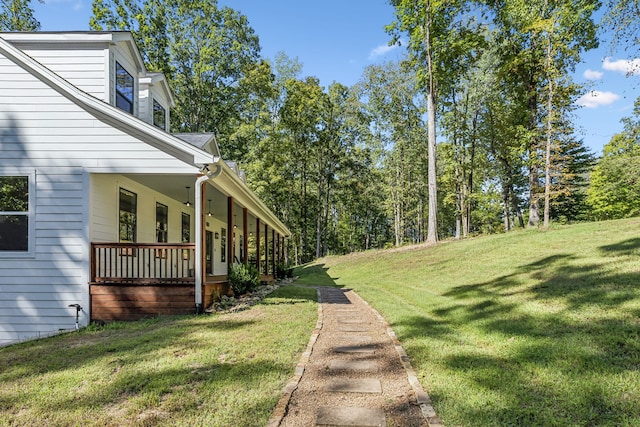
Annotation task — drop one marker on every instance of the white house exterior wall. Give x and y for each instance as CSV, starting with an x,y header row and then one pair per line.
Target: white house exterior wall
x,y
44,133
82,66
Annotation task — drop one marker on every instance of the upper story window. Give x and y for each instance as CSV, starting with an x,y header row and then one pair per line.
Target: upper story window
x,y
159,115
14,214
124,89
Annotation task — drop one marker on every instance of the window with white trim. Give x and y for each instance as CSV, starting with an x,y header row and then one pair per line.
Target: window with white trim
x,y
125,85
15,215
159,115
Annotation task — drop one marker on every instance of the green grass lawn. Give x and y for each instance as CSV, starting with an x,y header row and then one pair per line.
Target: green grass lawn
x,y
521,329
222,370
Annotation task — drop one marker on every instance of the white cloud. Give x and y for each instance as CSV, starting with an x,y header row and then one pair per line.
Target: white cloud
x,y
625,66
595,99
593,75
383,50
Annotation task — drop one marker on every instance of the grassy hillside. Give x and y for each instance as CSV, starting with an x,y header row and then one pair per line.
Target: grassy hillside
x,y
526,328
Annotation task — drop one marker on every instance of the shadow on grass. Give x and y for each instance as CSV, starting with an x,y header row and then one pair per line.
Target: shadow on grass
x,y
552,343
624,248
314,275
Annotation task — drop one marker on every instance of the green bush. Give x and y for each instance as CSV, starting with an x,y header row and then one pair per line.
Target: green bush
x,y
283,270
243,278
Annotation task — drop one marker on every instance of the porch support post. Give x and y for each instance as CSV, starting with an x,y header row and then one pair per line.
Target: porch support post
x,y
230,234
245,236
258,244
282,249
199,254
266,249
273,251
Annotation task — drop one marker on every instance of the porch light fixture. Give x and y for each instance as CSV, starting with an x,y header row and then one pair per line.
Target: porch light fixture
x,y
209,213
188,203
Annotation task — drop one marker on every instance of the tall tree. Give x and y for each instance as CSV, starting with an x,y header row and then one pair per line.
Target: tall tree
x,y
542,40
396,107
18,15
426,22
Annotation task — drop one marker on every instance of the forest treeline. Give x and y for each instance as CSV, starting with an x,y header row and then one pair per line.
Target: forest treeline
x,y
471,133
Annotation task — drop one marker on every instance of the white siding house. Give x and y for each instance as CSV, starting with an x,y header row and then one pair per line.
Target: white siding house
x,y
70,155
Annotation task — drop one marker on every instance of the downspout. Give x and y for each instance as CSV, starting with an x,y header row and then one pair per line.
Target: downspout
x,y
207,175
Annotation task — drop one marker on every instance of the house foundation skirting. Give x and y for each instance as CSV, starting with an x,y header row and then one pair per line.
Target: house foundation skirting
x,y
133,302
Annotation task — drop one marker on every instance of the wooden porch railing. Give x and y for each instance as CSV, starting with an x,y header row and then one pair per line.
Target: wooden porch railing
x,y
142,263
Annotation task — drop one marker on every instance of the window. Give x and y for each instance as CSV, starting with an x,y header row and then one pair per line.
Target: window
x,y
162,220
223,245
14,213
159,115
128,216
186,228
124,89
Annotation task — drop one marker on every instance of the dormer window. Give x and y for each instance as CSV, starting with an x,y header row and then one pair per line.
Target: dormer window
x,y
124,89
159,115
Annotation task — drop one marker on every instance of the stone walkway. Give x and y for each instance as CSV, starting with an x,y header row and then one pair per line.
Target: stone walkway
x,y
354,373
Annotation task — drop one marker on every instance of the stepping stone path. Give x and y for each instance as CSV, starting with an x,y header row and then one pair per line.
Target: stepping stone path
x,y
354,375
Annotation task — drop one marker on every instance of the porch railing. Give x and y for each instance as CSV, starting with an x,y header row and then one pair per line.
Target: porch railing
x,y
142,263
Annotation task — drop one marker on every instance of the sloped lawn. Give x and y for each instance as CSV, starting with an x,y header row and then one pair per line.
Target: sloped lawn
x,y
222,370
523,329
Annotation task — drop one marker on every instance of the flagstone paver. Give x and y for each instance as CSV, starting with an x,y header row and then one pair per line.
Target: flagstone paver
x,y
353,339
354,385
353,365
367,349
352,328
354,375
348,416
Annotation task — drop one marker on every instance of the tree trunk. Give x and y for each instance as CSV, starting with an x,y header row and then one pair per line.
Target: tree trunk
x,y
432,226
547,157
534,209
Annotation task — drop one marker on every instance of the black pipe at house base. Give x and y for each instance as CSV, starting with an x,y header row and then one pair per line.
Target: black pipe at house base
x,y
199,308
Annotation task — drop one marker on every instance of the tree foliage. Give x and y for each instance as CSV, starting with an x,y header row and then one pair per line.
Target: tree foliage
x,y
354,168
18,15
615,188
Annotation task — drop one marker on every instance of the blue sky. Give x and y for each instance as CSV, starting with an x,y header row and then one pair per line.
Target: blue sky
x,y
336,39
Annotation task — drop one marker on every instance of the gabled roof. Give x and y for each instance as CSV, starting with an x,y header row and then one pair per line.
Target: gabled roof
x,y
117,118
204,141
158,79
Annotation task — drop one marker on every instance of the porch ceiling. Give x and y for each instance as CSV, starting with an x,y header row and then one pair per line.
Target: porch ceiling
x,y
174,186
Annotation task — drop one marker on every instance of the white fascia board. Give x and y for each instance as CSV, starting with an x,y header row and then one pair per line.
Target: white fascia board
x,y
56,37
126,122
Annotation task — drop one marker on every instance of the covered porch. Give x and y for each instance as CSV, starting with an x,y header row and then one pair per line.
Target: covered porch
x,y
141,273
